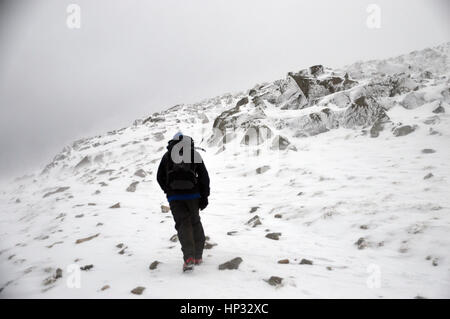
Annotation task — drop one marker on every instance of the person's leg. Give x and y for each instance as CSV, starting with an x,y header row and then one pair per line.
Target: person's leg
x,y
183,225
197,227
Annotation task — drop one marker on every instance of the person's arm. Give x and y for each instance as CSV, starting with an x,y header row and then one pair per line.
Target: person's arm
x,y
161,175
203,179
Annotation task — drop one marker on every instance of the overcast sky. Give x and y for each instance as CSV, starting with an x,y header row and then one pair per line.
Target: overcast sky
x,y
132,58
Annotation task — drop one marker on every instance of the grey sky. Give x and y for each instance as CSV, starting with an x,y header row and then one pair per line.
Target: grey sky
x,y
132,58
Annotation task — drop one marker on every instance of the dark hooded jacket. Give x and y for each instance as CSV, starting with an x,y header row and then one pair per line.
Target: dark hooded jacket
x,y
202,186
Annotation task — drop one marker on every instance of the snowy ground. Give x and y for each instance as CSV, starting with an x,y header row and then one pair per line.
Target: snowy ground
x,y
339,188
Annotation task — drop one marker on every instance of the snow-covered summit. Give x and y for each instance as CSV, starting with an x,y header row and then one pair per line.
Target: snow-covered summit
x,y
347,169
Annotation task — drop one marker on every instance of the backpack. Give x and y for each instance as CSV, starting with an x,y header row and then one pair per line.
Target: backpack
x,y
181,176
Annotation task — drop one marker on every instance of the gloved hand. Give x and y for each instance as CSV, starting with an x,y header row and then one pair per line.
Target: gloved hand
x,y
202,202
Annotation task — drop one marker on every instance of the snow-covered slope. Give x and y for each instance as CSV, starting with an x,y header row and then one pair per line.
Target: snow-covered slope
x,y
350,166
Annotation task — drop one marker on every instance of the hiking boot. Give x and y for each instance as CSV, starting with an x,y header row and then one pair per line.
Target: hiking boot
x,y
198,261
188,264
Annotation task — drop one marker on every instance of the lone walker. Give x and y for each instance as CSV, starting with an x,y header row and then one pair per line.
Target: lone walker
x,y
183,177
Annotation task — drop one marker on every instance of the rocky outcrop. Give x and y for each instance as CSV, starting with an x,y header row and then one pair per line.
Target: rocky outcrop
x,y
363,112
309,87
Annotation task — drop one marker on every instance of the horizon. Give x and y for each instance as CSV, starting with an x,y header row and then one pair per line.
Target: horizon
x,y
40,59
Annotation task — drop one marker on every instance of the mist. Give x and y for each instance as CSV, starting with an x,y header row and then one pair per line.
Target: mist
x,y
132,58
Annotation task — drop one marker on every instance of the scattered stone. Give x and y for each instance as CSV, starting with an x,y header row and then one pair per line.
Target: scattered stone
x,y
138,290
231,233
365,227
403,130
174,238
209,245
55,243
105,171
329,268
121,252
283,261
429,175
115,205
165,209
274,236
99,224
121,245
52,279
58,190
82,240
18,201
87,267
232,264
428,151
274,281
132,187
432,120
262,169
435,262
439,109
154,265
253,209
140,173
105,287
79,216
84,162
278,216
306,262
92,204
254,221
361,243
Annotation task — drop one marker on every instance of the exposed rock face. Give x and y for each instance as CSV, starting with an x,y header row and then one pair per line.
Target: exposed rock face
x,y
362,113
315,123
83,163
58,190
310,88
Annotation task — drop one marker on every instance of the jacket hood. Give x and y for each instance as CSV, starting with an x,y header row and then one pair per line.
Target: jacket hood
x,y
173,142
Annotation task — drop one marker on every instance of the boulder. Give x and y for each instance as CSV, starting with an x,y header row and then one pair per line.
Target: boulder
x,y
232,264
138,290
403,130
274,236
274,281
254,221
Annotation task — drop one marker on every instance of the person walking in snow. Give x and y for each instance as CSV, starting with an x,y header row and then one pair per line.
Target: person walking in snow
x,y
183,177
